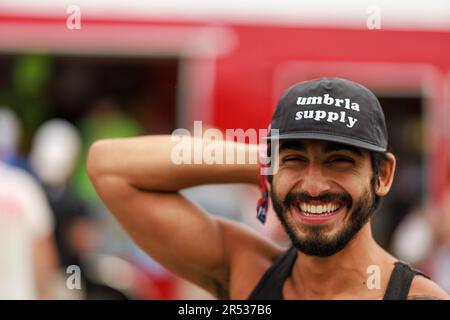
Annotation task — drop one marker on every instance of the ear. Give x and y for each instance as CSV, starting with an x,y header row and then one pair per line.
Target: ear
x,y
386,175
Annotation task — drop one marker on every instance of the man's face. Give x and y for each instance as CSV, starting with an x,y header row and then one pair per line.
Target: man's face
x,y
323,194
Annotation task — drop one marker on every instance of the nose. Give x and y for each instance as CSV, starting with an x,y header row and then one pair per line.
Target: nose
x,y
314,182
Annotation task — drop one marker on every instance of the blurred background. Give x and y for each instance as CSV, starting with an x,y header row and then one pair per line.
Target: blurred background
x,y
72,72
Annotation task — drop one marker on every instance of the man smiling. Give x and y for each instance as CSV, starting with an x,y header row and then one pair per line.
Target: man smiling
x,y
321,211
330,180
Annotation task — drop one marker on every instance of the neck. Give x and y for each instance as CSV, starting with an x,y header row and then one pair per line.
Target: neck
x,y
342,273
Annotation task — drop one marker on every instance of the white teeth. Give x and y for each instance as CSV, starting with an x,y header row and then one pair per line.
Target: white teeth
x,y
325,209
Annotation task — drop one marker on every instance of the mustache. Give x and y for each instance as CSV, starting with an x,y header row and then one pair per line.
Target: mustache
x,y
341,197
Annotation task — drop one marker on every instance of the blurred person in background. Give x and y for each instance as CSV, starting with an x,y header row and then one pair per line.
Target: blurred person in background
x,y
438,261
423,237
28,260
54,155
414,237
10,133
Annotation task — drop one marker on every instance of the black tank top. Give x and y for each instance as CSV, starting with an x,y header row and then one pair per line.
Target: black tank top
x,y
270,287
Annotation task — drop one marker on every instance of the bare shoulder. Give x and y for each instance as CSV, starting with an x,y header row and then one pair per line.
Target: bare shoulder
x,y
244,241
425,289
250,254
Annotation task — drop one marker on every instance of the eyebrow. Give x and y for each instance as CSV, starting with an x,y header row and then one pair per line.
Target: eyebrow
x,y
329,147
334,146
293,145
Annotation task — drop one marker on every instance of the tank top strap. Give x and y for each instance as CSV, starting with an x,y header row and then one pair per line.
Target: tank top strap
x,y
400,281
270,286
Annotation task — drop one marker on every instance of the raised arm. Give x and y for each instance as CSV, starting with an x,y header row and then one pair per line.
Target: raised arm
x,y
139,182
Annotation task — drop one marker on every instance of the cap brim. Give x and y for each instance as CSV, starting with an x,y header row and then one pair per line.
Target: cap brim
x,y
328,137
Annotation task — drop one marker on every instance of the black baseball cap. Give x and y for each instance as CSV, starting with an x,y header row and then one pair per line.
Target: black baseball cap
x,y
331,109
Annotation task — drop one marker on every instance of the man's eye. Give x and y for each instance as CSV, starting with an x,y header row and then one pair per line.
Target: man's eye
x,y
293,159
342,160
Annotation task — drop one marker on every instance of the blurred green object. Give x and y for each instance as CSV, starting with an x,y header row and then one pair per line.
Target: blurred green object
x,y
28,95
101,124
31,74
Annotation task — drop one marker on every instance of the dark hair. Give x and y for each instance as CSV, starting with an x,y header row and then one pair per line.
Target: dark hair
x,y
378,160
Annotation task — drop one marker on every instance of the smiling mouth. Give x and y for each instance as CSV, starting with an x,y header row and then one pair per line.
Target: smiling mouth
x,y
318,211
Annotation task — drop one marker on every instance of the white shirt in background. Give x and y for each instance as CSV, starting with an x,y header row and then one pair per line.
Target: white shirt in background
x,y
24,216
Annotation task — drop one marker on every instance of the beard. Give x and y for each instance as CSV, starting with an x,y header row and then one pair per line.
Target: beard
x,y
316,242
